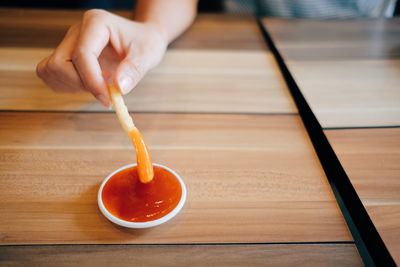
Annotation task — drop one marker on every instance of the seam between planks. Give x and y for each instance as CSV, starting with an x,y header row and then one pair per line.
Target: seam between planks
x,y
369,243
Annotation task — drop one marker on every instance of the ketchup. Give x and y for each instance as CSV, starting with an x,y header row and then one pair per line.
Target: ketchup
x,y
127,198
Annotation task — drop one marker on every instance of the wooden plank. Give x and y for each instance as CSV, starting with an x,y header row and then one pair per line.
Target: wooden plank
x,y
243,79
182,255
213,31
344,88
305,39
371,158
386,218
260,182
46,28
348,72
199,131
186,81
360,93
35,28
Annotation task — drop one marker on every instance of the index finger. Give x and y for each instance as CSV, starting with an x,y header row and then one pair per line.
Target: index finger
x,y
93,38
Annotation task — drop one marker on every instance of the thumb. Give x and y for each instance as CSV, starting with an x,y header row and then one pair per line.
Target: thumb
x,y
128,74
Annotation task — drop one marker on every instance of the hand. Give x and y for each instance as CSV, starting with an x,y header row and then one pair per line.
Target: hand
x,y
103,46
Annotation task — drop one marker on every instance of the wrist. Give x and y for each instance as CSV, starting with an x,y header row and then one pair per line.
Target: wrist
x,y
161,31
157,29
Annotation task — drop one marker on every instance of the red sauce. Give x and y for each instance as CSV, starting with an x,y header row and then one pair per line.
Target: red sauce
x,y
125,197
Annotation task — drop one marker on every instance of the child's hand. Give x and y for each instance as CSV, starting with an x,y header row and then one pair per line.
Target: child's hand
x,y
103,46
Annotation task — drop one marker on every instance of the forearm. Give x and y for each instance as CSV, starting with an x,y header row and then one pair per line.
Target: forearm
x,y
171,17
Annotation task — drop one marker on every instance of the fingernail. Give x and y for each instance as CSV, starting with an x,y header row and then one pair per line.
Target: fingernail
x,y
125,84
104,101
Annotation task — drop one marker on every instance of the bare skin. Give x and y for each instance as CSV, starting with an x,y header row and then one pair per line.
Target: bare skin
x,y
105,46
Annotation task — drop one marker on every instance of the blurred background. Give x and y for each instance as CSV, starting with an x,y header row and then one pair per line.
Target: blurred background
x,y
273,8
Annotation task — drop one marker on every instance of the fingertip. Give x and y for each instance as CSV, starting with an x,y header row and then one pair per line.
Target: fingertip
x,y
125,83
128,75
41,67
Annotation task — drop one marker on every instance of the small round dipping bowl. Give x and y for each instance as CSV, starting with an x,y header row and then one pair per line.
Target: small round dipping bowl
x,y
148,224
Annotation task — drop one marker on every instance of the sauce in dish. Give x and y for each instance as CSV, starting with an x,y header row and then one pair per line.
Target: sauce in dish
x,y
128,199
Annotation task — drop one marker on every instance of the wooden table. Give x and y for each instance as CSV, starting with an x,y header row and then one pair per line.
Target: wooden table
x,y
349,72
216,110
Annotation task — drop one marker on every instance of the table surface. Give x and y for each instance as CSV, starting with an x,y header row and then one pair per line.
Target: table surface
x,y
349,72
216,110
240,78
371,159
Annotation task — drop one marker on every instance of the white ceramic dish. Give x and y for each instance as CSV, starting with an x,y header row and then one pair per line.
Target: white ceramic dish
x,y
148,224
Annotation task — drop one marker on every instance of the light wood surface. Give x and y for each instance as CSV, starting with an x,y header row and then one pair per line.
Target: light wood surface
x,y
250,186
258,183
371,158
220,64
347,70
186,81
305,39
351,93
182,255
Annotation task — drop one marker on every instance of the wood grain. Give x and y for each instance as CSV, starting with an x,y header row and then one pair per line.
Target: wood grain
x,y
258,183
371,158
348,93
182,255
347,70
386,219
304,39
46,28
199,131
35,28
213,31
186,81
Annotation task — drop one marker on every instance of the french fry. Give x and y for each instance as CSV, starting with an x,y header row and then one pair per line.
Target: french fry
x,y
145,166
120,108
